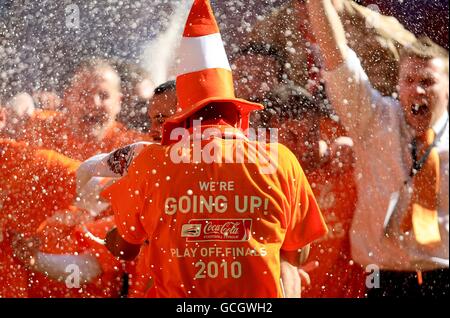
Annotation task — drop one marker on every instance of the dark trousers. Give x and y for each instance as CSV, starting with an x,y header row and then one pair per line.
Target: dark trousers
x,y
406,284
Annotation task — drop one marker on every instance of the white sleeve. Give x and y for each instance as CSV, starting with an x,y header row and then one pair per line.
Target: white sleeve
x,y
352,95
60,266
112,165
88,196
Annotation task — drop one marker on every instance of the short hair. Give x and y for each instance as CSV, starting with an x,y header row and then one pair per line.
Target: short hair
x,y
95,63
164,87
92,64
292,102
226,111
424,48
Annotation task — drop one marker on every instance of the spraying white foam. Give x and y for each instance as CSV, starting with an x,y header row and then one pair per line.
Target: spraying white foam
x,y
159,55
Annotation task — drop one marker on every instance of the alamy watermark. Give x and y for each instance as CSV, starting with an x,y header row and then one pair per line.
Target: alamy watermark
x,y
73,279
72,13
373,276
252,146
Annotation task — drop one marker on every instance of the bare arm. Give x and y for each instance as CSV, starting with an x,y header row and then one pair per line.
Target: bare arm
x,y
92,167
328,31
290,276
348,86
89,195
110,165
119,247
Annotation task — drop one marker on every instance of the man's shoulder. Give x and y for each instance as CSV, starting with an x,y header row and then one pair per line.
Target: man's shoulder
x,y
53,158
152,155
286,159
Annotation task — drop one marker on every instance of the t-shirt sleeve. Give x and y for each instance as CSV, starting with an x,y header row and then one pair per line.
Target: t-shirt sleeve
x,y
127,197
305,222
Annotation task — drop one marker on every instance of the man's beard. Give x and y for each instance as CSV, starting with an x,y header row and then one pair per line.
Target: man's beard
x,y
95,126
98,131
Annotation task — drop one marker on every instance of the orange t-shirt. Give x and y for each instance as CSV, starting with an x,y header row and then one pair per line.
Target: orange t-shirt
x,y
139,279
13,275
34,183
51,131
41,184
215,229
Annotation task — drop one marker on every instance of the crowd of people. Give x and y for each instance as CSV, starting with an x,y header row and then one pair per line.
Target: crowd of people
x,y
357,207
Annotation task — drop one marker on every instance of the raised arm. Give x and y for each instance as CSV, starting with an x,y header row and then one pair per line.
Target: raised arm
x,y
328,31
348,86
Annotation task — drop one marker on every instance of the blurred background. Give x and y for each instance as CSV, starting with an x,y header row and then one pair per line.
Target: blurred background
x,y
42,41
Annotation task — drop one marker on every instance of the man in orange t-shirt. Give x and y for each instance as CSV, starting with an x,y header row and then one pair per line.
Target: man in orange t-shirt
x,y
34,184
215,230
217,208
86,124
332,271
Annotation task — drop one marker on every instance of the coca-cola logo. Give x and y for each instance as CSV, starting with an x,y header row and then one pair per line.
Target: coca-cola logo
x,y
237,230
228,228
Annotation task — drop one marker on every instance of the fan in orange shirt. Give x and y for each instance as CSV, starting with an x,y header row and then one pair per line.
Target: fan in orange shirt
x,y
70,236
325,152
336,275
74,236
39,182
34,183
113,165
86,124
60,235
216,225
181,238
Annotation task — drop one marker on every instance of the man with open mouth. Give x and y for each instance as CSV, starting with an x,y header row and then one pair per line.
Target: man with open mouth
x,y
401,223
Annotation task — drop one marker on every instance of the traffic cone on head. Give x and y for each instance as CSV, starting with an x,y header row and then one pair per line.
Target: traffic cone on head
x,y
204,74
